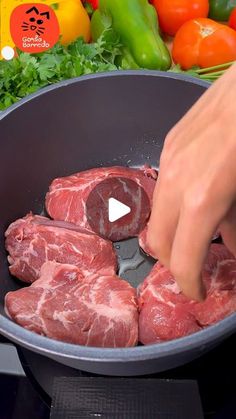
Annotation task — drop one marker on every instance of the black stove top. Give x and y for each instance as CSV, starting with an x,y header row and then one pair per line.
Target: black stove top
x,y
30,396
19,399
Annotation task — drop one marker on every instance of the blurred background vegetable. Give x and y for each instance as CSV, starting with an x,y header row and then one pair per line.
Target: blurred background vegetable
x,y
221,9
232,19
205,43
73,21
136,24
90,6
94,3
173,13
125,34
209,74
27,73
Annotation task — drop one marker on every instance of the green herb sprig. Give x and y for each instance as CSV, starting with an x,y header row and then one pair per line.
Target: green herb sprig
x,y
209,74
27,73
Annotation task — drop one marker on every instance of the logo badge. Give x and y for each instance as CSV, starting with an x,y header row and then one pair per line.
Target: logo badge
x,y
34,27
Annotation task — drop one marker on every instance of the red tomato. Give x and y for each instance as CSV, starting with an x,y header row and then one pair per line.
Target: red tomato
x,y
232,19
204,43
173,13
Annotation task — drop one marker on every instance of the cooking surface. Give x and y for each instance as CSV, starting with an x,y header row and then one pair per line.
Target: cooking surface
x,y
214,372
134,264
131,398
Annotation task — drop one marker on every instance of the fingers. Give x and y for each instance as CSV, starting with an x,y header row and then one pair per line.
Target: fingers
x,y
193,236
162,223
228,229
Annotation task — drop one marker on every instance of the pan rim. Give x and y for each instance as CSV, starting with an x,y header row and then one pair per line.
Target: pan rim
x,y
52,347
48,346
108,74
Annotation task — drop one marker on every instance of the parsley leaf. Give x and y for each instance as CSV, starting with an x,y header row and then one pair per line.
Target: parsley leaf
x,y
27,73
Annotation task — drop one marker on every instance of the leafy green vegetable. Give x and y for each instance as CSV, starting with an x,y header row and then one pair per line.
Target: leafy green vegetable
x,y
208,74
27,73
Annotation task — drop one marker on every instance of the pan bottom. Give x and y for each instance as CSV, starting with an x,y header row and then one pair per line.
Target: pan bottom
x,y
134,264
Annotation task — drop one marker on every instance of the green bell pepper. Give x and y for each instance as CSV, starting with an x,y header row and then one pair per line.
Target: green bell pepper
x,y
136,23
221,9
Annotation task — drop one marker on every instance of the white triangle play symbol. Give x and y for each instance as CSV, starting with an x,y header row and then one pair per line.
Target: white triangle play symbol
x,y
117,210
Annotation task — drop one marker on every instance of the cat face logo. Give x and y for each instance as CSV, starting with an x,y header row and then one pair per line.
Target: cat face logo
x,y
36,20
34,27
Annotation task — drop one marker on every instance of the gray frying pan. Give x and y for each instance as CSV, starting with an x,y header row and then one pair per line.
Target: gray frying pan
x,y
118,118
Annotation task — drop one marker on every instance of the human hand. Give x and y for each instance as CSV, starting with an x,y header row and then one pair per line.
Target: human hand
x,y
196,189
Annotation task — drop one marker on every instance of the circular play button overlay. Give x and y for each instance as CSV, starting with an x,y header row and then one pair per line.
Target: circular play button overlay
x,y
117,208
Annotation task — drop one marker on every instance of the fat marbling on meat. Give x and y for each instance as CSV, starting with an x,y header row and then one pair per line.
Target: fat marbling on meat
x,y
33,240
165,313
62,304
67,198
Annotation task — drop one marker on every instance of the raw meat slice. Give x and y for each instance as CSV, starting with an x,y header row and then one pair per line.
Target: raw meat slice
x,y
33,240
64,305
165,313
67,198
220,281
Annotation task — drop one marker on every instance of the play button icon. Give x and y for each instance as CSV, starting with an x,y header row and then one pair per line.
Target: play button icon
x,y
117,209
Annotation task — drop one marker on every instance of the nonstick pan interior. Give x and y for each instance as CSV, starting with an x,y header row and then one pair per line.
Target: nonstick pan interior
x,y
118,118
